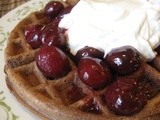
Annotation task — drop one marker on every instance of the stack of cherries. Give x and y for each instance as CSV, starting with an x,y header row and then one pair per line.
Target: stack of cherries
x,y
124,95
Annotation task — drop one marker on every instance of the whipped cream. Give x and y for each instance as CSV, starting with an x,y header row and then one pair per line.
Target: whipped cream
x,y
107,24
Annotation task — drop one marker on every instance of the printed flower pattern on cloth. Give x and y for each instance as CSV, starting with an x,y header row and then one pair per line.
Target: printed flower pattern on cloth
x,y
7,109
21,13
3,37
7,23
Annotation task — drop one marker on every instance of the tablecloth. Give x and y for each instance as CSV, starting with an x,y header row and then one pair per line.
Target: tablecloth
x,y
8,5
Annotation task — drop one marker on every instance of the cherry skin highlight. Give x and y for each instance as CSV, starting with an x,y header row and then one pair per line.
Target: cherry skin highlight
x,y
52,62
124,60
53,8
32,35
121,99
89,52
94,72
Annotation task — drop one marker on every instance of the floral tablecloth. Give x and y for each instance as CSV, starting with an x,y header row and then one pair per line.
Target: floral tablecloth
x,y
10,108
8,5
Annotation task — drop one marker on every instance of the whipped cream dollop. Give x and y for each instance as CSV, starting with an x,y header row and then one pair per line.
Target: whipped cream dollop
x,y
108,24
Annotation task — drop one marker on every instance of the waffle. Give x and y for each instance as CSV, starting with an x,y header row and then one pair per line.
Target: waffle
x,y
67,97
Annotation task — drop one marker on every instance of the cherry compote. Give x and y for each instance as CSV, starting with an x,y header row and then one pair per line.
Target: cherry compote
x,y
121,98
124,60
94,72
52,62
32,34
64,12
50,37
89,52
53,8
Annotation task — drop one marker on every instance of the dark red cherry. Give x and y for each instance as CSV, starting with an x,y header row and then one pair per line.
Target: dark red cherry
x,y
57,38
121,99
64,12
32,34
58,18
94,72
52,62
53,8
158,49
52,40
47,32
124,60
89,52
54,23
51,37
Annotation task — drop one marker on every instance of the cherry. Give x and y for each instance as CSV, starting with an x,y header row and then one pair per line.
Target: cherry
x,y
52,62
124,60
121,98
53,8
54,23
51,37
32,34
64,12
94,72
58,18
158,49
89,52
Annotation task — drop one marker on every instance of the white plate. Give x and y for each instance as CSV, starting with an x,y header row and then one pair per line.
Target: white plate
x,y
10,109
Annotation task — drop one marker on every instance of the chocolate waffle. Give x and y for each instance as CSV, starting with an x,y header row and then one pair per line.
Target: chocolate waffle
x,y
66,97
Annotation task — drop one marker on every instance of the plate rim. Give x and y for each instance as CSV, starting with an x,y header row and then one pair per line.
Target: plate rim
x,y
10,108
